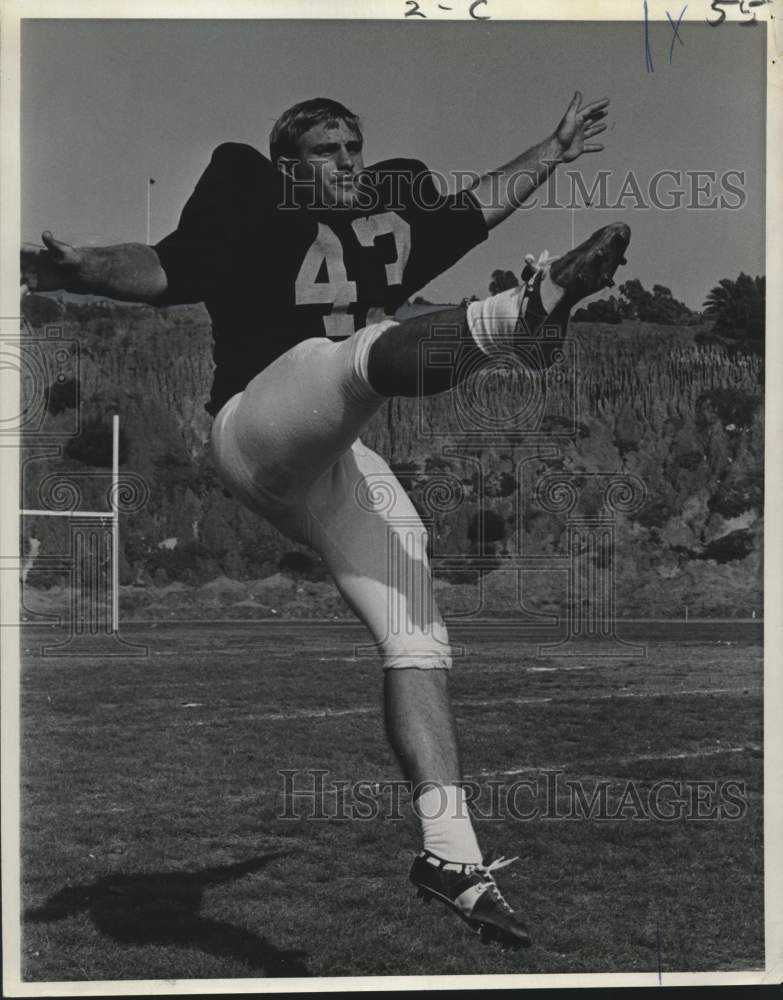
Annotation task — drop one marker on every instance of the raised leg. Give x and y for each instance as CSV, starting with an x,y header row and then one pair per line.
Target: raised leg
x,y
506,322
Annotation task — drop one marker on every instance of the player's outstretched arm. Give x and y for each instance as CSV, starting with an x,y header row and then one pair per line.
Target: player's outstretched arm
x,y
501,191
128,271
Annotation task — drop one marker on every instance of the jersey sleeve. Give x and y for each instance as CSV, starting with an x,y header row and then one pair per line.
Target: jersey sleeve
x,y
444,227
198,257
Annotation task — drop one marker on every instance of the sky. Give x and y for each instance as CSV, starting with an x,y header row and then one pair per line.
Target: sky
x,y
106,105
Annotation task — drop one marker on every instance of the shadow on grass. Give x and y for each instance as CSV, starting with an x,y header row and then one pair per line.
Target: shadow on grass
x,y
162,908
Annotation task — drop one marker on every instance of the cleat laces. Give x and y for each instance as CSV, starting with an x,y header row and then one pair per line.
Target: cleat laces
x,y
533,267
485,871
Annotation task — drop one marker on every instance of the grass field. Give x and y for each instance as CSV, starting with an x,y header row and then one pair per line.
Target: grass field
x,y
153,845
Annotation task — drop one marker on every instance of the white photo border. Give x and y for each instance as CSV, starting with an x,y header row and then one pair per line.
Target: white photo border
x,y
555,10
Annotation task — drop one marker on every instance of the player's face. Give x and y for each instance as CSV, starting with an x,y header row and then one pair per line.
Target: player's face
x,y
331,157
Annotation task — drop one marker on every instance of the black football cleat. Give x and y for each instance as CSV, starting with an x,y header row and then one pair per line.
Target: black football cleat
x,y
590,267
580,272
473,894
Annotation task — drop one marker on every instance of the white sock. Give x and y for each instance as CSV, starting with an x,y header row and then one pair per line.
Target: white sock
x,y
445,822
550,293
493,321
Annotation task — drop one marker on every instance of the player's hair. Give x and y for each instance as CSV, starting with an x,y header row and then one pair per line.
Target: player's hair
x,y
292,124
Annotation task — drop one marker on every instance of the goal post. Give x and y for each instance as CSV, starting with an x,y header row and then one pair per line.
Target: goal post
x,y
95,608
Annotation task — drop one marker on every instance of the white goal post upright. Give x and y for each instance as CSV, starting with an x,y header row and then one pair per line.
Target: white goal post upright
x,y
115,523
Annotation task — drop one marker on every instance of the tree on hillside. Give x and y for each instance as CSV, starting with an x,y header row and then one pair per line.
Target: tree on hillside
x,y
637,298
668,310
502,280
658,306
737,311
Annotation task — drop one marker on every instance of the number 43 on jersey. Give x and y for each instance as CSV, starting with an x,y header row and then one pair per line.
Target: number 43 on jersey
x,y
326,254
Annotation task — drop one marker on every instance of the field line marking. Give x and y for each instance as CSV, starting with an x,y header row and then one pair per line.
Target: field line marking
x,y
325,713
602,697
315,713
633,759
328,713
493,703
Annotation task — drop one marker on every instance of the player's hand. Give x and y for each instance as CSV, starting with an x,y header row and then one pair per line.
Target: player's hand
x,y
580,124
51,267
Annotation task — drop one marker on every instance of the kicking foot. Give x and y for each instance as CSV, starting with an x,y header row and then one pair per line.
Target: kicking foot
x,y
553,286
471,891
590,267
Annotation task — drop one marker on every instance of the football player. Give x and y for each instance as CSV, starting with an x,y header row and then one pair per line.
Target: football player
x,y
302,259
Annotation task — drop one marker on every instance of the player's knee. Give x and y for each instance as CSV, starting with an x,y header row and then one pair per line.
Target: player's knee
x,y
405,661
429,650
311,349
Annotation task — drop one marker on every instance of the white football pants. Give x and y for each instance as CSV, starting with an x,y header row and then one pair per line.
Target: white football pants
x,y
288,448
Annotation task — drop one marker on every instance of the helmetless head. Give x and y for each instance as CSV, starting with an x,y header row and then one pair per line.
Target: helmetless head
x,y
318,144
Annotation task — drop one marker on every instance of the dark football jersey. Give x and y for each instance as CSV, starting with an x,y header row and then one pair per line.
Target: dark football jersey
x,y
272,274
